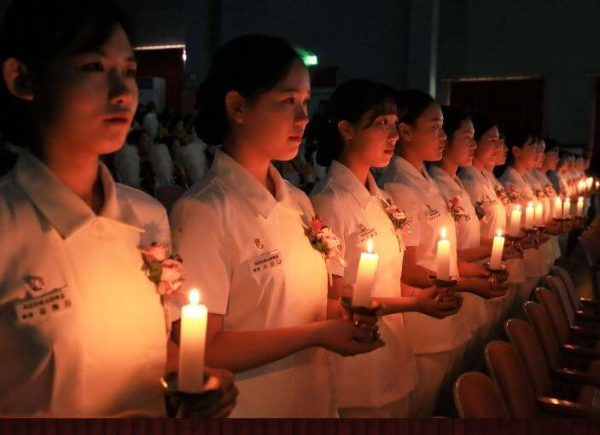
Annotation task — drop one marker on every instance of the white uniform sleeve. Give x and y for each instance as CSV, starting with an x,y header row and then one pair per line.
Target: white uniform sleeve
x,y
193,161
199,238
405,200
325,208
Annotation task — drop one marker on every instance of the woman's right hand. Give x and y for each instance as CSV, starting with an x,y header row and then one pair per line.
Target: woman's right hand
x,y
435,302
346,339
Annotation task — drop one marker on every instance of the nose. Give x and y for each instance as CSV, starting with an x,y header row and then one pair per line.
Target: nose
x,y
301,115
120,92
442,136
393,135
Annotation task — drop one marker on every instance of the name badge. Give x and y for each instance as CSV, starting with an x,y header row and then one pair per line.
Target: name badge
x,y
266,261
366,234
42,307
431,213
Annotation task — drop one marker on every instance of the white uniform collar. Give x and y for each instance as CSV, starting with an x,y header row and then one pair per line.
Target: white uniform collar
x,y
66,211
343,177
453,183
257,195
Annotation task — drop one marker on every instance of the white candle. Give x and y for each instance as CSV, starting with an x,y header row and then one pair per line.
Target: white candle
x,y
367,267
567,208
539,215
589,182
191,345
558,208
443,257
515,221
497,248
529,211
580,203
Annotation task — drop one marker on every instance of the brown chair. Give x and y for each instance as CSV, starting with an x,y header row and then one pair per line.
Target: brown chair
x,y
477,396
581,361
577,310
566,333
555,382
592,257
509,374
168,195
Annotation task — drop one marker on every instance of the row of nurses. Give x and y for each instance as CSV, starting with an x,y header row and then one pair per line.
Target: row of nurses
x,y
485,189
439,344
246,236
362,135
522,157
77,310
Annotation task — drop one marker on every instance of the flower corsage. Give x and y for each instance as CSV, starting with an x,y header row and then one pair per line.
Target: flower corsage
x,y
323,239
456,210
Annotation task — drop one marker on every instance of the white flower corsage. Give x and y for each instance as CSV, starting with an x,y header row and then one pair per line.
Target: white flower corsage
x,y
326,242
399,218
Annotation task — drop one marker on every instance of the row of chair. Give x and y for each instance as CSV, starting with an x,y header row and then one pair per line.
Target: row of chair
x,y
550,368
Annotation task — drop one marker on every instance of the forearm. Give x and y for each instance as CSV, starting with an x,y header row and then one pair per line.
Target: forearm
x,y
396,305
416,276
474,254
238,351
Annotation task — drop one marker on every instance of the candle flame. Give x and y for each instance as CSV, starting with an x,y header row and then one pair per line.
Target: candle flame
x,y
518,207
443,233
530,204
581,199
370,246
499,232
194,297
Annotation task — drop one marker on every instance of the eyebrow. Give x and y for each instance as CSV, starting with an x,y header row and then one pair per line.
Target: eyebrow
x,y
436,119
290,90
102,53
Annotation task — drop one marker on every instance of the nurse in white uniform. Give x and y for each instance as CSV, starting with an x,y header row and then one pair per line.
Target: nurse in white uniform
x,y
522,158
245,234
459,152
362,134
438,344
485,189
83,330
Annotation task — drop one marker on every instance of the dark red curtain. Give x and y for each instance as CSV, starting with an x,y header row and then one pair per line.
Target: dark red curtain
x,y
440,426
509,102
166,64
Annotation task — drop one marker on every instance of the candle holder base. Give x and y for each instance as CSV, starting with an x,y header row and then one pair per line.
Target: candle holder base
x,y
529,231
363,311
515,241
540,228
174,399
443,282
497,275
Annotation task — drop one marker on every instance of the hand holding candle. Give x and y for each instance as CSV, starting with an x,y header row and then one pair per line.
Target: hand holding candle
x,y
558,208
367,267
191,346
567,208
443,257
497,248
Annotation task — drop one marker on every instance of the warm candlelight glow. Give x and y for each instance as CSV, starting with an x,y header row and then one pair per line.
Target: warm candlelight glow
x,y
499,232
370,246
443,233
367,267
194,297
518,207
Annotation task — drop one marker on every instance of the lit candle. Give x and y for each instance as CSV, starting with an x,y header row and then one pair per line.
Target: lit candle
x,y
529,210
539,215
567,208
515,221
367,266
558,208
580,203
443,257
497,247
597,185
581,187
589,182
191,345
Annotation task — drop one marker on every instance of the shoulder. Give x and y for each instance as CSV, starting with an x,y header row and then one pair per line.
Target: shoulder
x,y
144,205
